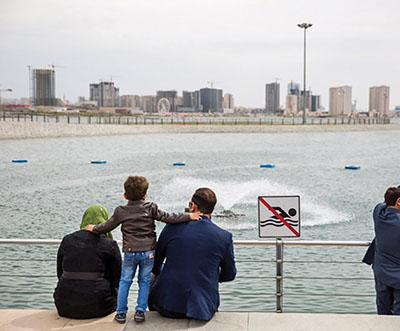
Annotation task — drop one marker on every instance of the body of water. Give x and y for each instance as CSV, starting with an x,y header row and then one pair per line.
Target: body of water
x,y
46,197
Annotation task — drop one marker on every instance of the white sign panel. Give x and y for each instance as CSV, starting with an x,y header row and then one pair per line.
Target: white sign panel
x,y
279,216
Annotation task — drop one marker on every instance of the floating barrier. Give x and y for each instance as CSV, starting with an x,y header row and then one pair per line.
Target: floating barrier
x,y
98,162
352,167
267,165
19,161
179,164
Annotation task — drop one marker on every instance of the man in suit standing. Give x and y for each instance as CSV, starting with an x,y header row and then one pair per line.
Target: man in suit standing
x,y
384,253
198,256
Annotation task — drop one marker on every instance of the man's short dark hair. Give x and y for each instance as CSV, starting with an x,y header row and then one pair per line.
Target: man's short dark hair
x,y
391,196
205,199
136,187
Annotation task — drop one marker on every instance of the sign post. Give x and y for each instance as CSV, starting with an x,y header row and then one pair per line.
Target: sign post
x,y
278,217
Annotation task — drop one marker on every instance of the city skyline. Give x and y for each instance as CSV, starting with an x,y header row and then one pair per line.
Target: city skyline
x,y
180,45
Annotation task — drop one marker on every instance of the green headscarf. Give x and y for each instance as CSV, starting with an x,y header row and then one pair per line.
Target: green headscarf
x,y
95,214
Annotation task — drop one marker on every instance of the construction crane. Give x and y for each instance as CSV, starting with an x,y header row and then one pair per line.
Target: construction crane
x,y
212,83
29,83
111,77
55,66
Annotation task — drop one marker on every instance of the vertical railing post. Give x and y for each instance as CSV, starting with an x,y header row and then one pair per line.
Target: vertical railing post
x,y
279,275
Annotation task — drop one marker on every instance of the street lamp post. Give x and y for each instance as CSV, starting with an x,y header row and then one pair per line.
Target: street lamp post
x,y
343,100
304,26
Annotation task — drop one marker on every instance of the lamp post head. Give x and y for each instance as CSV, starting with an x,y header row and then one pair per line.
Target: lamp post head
x,y
304,25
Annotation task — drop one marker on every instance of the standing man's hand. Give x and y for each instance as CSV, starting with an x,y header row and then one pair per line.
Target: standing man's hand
x,y
89,227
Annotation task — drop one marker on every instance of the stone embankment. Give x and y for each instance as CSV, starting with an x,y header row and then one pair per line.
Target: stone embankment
x,y
26,130
11,319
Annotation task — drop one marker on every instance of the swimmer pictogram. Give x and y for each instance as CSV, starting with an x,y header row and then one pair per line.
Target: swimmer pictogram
x,y
279,216
275,221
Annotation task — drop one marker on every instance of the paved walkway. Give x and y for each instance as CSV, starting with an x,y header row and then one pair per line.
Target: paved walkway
x,y
49,320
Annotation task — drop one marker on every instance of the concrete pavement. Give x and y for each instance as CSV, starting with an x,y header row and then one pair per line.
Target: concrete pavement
x,y
12,319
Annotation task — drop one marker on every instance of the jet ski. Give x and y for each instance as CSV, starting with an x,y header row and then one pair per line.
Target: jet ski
x,y
226,213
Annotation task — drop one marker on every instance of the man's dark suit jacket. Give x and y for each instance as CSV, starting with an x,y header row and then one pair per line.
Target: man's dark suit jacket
x,y
198,255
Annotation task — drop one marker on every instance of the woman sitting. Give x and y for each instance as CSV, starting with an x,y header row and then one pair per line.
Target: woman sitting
x,y
88,270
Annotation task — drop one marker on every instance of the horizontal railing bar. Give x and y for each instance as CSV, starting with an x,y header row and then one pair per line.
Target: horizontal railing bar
x,y
238,277
332,262
328,295
285,242
30,260
29,276
237,261
294,261
329,278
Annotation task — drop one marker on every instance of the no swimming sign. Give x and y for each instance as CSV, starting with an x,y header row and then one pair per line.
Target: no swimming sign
x,y
278,216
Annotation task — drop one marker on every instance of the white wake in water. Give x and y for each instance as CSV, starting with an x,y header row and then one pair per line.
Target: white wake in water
x,y
241,197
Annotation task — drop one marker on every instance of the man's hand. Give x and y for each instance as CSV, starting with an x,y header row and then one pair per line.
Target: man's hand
x,y
89,227
195,216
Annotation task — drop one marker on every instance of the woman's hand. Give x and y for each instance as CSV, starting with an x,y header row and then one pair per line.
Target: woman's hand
x,y
89,227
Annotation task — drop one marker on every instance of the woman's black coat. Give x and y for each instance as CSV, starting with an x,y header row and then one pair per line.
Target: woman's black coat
x,y
84,251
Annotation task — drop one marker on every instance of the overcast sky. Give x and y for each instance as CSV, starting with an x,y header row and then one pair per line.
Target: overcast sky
x,y
151,45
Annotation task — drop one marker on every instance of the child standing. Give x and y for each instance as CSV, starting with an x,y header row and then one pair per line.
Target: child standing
x,y
139,241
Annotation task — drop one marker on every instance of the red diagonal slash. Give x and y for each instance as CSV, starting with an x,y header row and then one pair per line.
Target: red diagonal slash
x,y
273,211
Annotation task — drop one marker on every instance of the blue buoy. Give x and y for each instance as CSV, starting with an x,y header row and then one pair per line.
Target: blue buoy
x,y
267,165
19,161
351,167
179,164
98,162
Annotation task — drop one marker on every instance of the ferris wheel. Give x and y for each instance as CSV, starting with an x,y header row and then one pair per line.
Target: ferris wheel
x,y
163,105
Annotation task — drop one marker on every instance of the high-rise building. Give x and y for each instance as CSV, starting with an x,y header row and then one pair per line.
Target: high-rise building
x,y
43,87
272,97
167,101
128,100
340,100
105,94
293,88
188,99
148,103
211,100
228,101
291,104
379,98
197,101
307,99
315,102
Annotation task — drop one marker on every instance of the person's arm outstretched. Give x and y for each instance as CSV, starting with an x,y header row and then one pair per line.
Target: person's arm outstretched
x,y
172,218
105,227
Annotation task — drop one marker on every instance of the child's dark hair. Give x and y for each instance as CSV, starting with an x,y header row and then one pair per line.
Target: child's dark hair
x,y
136,187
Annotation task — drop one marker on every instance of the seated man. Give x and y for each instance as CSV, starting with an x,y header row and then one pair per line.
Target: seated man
x,y
198,256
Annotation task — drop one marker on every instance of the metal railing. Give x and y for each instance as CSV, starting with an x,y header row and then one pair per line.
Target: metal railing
x,y
184,120
279,262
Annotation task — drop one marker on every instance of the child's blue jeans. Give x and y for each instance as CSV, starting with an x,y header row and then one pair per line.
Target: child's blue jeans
x,y
145,261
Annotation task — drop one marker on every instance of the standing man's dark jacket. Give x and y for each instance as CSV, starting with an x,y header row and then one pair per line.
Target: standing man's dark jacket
x,y
88,269
386,262
198,255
